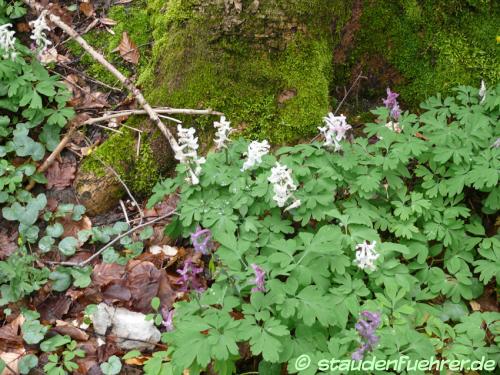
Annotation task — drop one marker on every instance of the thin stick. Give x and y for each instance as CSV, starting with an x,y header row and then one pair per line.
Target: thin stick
x,y
360,75
107,128
124,209
100,58
110,168
52,157
138,149
162,110
112,242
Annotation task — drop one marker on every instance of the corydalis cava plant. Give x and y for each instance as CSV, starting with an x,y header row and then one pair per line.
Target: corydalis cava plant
x,y
187,152
222,135
7,42
366,255
38,35
334,131
366,327
256,150
283,185
189,279
201,240
259,280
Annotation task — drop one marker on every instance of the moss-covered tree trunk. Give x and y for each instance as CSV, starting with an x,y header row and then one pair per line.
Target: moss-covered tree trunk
x,y
266,64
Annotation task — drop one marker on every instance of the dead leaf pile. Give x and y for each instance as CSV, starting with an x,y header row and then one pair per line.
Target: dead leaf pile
x,y
61,174
133,286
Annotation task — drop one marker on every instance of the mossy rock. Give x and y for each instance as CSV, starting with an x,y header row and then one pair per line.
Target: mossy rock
x,y
96,185
266,64
423,47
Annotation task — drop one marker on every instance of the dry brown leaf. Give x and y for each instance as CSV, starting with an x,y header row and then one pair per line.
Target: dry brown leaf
x,y
475,306
143,281
54,308
71,227
87,9
128,49
10,334
11,358
95,99
23,27
137,361
60,174
105,273
64,328
8,242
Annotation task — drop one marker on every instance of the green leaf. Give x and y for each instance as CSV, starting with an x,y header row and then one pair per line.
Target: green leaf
x,y
33,331
132,354
112,367
61,280
155,303
54,342
68,246
27,362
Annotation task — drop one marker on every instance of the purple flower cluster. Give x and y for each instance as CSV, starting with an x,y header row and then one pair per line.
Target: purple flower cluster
x,y
189,277
168,316
202,240
392,103
259,280
366,330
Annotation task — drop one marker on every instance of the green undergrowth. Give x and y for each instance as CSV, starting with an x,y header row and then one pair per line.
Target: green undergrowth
x,y
383,248
432,45
132,19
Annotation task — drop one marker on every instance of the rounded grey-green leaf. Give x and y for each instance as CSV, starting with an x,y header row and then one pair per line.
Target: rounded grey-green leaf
x,y
112,367
55,230
45,244
27,362
61,281
68,246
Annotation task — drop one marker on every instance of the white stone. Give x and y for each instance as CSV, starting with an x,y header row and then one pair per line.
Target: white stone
x,y
130,328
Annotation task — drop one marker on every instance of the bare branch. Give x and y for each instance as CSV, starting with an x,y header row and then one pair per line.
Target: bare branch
x,y
111,68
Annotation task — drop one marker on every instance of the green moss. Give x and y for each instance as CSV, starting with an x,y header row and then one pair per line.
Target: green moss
x,y
277,90
433,45
132,19
118,151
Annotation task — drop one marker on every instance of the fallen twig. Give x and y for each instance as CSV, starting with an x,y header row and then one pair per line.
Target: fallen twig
x,y
52,157
112,242
131,196
111,68
160,110
111,115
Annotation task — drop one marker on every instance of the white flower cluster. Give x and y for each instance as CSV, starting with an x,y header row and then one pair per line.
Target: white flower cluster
x,y
256,150
223,130
187,152
334,131
7,42
38,35
366,255
281,178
